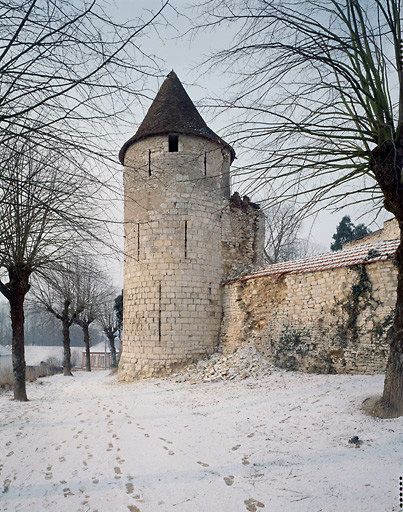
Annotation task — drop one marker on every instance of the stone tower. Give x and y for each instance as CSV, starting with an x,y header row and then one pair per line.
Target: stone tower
x,y
181,236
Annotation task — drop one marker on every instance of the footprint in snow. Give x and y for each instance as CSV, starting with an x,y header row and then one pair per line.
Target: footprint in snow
x,y
229,480
252,504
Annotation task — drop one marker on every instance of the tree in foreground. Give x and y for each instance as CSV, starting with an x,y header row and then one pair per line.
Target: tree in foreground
x,y
69,70
346,231
319,95
44,214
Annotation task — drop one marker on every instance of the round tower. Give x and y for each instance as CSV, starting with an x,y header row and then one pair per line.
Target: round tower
x,y
176,182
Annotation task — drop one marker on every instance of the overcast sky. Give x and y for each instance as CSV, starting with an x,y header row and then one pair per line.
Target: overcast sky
x,y
175,49
184,54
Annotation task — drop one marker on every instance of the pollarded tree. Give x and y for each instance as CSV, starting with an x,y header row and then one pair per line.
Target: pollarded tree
x,y
319,93
57,294
44,215
118,307
91,295
109,323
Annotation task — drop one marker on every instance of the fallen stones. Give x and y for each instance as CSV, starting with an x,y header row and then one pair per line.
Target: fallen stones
x,y
245,362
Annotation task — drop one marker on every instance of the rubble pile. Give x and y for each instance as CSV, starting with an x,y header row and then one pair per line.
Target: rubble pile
x,y
245,362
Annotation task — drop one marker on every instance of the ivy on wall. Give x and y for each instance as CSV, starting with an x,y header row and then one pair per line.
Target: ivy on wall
x,y
359,298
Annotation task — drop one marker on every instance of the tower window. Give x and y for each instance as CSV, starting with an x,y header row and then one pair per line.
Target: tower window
x,y
173,143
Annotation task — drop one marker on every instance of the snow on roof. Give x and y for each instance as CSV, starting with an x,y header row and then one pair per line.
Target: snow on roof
x,y
355,255
4,351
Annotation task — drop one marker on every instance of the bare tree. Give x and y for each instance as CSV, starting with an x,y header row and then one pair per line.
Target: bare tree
x,y
91,293
57,295
109,323
44,215
319,93
69,71
282,227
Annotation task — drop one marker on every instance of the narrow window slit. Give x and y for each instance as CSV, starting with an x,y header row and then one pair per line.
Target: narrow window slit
x,y
173,143
205,163
149,162
186,238
159,313
138,241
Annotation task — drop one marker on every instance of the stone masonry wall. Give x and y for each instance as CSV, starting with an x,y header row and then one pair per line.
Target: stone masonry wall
x,y
327,321
390,231
172,273
176,215
242,236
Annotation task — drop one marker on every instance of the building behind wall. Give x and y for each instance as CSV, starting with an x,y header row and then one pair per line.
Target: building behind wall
x,y
183,234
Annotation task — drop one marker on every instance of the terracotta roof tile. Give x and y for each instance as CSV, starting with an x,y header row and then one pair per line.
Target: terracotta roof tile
x,y
355,255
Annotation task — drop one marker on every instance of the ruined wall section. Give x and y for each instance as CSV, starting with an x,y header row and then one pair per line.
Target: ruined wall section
x,y
331,321
173,264
242,236
390,231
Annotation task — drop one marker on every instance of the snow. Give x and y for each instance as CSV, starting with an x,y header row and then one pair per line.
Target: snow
x,y
277,442
35,354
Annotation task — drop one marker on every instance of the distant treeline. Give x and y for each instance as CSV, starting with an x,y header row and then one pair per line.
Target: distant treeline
x,y
42,329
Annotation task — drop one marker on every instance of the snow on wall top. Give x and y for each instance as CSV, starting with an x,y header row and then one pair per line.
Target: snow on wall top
x,y
356,255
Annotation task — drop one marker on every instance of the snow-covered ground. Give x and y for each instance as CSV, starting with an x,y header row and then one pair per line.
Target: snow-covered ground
x,y
35,354
279,442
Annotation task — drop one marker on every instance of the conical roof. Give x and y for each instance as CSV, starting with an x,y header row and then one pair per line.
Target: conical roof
x,y
172,111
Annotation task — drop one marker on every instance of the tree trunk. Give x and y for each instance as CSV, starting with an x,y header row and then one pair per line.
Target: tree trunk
x,y
387,165
111,338
18,288
87,346
66,348
391,403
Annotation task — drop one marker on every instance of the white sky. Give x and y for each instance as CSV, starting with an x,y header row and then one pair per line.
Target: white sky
x,y
184,55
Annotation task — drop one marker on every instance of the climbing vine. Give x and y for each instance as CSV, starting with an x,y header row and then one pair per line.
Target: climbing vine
x,y
358,299
293,343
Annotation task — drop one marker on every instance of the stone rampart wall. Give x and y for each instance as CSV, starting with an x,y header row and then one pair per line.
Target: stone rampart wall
x,y
179,223
390,231
332,321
